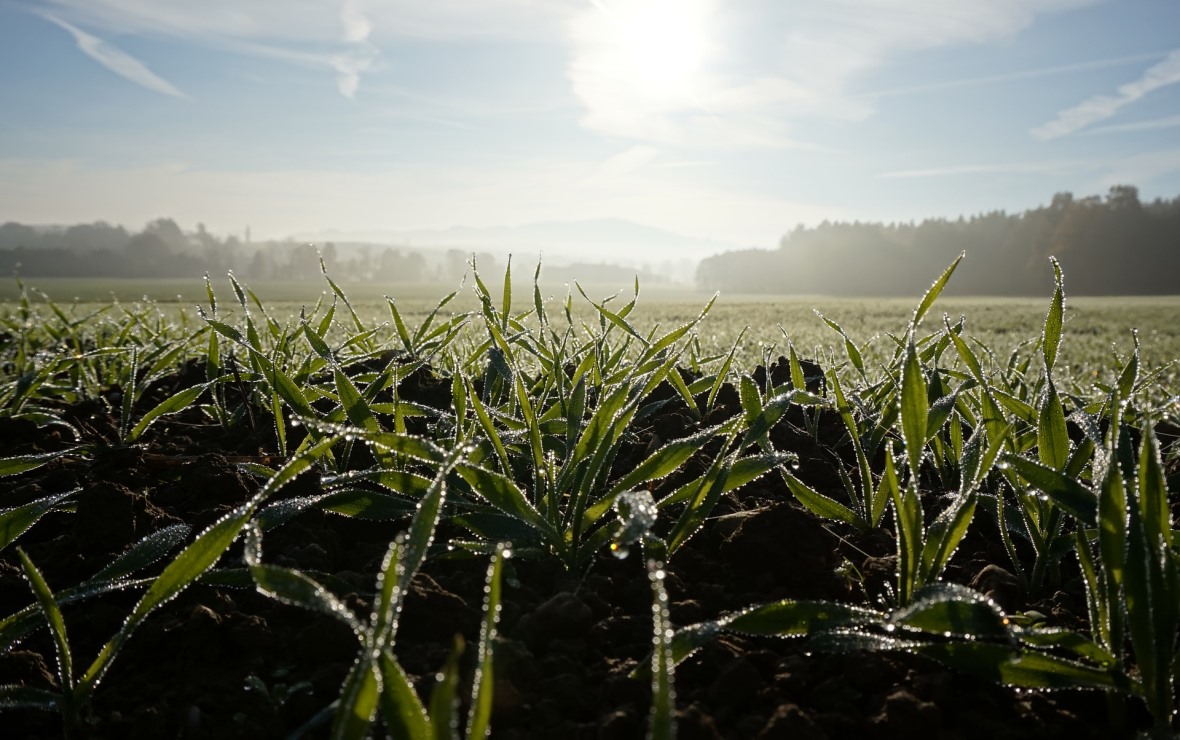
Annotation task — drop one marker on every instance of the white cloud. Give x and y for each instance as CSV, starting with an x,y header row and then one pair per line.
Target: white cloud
x,y
1025,74
998,168
117,60
1153,125
356,26
1101,107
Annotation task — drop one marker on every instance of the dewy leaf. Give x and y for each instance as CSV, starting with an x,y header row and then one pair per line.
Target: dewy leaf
x,y
402,710
16,521
57,624
664,461
292,587
942,608
357,705
944,536
914,407
503,493
480,715
174,403
1052,434
821,505
24,463
145,552
444,720
1054,320
662,721
934,290
1065,491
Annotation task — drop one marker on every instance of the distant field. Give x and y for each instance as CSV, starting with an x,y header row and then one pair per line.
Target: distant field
x,y
1096,328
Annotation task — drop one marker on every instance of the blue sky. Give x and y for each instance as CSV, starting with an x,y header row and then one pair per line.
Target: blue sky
x,y
732,121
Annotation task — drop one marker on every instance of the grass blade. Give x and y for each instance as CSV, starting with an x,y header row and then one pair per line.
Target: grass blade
x,y
23,463
662,721
176,402
934,290
57,624
16,521
914,408
480,715
1054,320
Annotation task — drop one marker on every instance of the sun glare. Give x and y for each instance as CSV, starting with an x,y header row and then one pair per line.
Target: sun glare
x,y
661,44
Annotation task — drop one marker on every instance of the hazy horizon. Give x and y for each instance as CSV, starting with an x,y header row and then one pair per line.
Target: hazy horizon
x,y
726,125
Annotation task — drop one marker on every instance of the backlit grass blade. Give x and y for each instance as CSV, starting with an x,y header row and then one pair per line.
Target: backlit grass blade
x,y
24,463
292,587
947,609
175,403
358,702
489,428
907,511
964,351
914,408
402,332
1130,371
401,709
480,715
663,462
662,720
444,719
821,505
1079,501
57,624
850,349
503,493
934,290
1027,669
944,535
1052,434
860,500
145,552
368,505
406,444
723,371
1054,320
16,521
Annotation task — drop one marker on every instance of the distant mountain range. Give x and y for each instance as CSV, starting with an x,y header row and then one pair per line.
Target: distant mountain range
x,y
600,240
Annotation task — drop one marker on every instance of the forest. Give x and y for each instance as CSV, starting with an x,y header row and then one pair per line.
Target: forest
x,y
1115,245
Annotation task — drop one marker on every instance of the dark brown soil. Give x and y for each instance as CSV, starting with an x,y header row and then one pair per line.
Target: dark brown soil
x,y
231,663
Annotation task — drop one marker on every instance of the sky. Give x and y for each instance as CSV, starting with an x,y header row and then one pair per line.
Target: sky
x,y
732,121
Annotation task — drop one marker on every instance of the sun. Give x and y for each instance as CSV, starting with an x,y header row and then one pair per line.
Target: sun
x,y
661,45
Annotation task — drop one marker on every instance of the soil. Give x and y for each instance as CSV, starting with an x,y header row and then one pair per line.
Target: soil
x,y
222,662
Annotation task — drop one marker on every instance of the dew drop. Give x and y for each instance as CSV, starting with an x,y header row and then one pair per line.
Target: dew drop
x,y
619,551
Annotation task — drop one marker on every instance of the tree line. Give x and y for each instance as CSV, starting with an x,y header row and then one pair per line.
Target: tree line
x,y
163,249
1115,245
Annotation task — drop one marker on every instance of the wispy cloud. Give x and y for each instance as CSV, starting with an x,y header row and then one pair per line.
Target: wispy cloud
x,y
1002,168
117,60
1124,128
1026,74
1101,107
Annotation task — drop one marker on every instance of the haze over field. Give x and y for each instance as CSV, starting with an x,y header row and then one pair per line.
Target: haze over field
x,y
477,122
